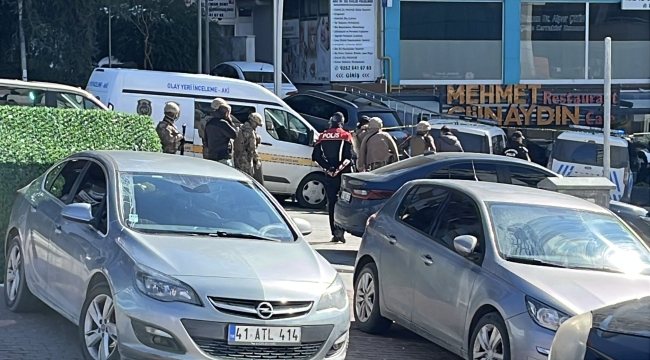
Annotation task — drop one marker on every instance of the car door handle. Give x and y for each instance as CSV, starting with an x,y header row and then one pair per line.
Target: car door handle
x,y
392,240
428,261
57,229
267,144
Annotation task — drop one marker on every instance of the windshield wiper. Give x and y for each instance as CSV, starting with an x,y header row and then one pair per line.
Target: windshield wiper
x,y
602,268
532,261
243,236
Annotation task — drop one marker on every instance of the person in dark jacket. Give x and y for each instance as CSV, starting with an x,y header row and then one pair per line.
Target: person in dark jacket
x,y
447,142
333,153
220,131
516,147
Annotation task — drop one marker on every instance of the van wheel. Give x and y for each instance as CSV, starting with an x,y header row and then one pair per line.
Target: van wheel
x,y
311,192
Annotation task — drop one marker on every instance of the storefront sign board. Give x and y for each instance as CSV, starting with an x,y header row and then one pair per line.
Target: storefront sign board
x,y
635,4
353,38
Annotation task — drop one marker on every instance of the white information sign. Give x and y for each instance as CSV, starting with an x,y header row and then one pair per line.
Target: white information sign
x,y
635,4
353,40
222,9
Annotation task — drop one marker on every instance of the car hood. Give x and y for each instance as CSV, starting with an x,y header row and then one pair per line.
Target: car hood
x,y
574,291
228,258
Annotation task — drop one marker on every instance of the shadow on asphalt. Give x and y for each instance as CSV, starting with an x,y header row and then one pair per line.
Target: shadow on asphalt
x,y
293,206
339,257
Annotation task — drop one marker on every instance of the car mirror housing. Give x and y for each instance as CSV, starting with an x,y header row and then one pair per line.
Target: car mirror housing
x,y
303,225
312,137
79,212
465,244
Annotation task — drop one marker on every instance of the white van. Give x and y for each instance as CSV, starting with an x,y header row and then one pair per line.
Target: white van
x,y
581,154
287,139
474,137
28,93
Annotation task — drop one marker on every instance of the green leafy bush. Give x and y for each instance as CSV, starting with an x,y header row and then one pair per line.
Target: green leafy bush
x,y
34,138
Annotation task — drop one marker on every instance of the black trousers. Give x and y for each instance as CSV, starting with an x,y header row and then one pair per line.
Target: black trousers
x,y
332,187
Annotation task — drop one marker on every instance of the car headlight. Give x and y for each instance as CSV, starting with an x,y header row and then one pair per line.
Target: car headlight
x,y
161,287
570,341
544,315
334,297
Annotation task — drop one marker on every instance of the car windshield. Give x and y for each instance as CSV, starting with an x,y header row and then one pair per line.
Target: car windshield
x,y
568,238
390,119
198,205
262,77
471,143
591,154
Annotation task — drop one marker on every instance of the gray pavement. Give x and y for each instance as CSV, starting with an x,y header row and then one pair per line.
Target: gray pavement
x,y
47,335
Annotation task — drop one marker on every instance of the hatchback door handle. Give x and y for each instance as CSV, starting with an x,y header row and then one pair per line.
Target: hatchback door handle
x,y
32,208
392,240
267,144
428,261
57,229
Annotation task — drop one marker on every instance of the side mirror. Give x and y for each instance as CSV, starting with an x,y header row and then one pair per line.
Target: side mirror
x,y
303,225
465,245
79,212
311,135
111,106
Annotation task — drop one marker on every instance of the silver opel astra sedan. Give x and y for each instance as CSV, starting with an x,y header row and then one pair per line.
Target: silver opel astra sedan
x,y
160,256
490,271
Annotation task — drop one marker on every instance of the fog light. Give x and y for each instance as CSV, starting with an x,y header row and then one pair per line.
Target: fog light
x,y
156,338
339,346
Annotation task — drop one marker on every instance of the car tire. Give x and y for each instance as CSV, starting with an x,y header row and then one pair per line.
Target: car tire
x,y
367,310
18,297
311,192
97,325
485,329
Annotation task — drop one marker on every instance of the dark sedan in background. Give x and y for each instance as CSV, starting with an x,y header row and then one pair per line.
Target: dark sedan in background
x,y
616,332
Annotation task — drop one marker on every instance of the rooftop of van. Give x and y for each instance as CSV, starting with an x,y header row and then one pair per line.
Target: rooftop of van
x,y
591,137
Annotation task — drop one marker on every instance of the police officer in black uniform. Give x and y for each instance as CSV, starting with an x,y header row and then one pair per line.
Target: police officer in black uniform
x,y
333,153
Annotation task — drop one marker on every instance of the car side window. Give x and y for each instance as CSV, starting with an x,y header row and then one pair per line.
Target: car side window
x,y
92,190
524,176
89,105
13,96
440,174
230,72
462,171
323,109
485,171
52,176
63,183
286,127
421,206
459,217
300,103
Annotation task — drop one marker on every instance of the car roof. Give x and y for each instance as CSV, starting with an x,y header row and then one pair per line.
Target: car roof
x,y
485,192
251,66
151,162
589,137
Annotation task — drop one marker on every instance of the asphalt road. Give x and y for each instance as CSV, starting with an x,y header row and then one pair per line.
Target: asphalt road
x,y
47,335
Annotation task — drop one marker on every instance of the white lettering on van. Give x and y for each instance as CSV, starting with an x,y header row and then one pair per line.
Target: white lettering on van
x,y
331,135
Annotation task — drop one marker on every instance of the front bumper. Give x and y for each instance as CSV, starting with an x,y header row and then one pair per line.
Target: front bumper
x,y
528,340
201,332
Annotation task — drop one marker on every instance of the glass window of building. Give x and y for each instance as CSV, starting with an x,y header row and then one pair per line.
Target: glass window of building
x,y
553,40
630,33
451,41
291,9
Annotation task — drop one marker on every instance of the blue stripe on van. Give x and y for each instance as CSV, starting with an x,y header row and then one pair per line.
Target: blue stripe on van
x,y
615,181
570,171
559,170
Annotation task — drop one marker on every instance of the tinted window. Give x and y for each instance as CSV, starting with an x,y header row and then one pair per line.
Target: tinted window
x,y
589,153
471,143
404,165
227,71
526,176
69,101
440,174
284,126
262,77
52,176
420,207
462,171
14,96
65,180
92,190
498,144
459,217
485,171
390,119
300,103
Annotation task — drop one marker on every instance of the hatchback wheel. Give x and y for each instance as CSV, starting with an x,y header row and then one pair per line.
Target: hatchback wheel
x,y
98,331
18,297
367,311
490,339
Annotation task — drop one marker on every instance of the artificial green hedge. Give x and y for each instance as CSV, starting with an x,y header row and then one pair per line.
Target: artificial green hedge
x,y
34,138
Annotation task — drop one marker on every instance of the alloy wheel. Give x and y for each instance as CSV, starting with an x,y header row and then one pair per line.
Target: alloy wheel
x,y
488,344
364,300
314,192
100,331
13,273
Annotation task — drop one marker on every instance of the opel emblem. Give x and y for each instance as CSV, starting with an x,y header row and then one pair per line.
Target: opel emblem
x,y
265,310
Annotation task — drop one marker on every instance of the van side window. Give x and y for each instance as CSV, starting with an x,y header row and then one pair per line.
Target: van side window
x,y
13,96
286,127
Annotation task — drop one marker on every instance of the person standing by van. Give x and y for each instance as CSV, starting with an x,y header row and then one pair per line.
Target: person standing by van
x,y
245,153
333,153
516,147
421,142
377,148
168,133
447,141
358,135
220,131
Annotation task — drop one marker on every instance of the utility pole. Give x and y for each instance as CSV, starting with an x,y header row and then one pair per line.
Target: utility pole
x,y
607,117
199,69
110,38
277,48
23,51
207,36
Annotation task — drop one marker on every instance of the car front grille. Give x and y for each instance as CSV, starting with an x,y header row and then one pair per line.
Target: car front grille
x,y
222,349
248,308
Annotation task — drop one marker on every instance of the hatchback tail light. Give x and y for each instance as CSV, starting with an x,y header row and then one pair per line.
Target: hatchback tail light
x,y
372,194
370,218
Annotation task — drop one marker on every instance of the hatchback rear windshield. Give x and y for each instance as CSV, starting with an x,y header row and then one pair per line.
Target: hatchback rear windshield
x,y
390,119
471,143
262,77
589,154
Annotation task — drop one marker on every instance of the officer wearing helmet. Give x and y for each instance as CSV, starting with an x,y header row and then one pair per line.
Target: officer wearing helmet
x,y
333,153
421,142
167,131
